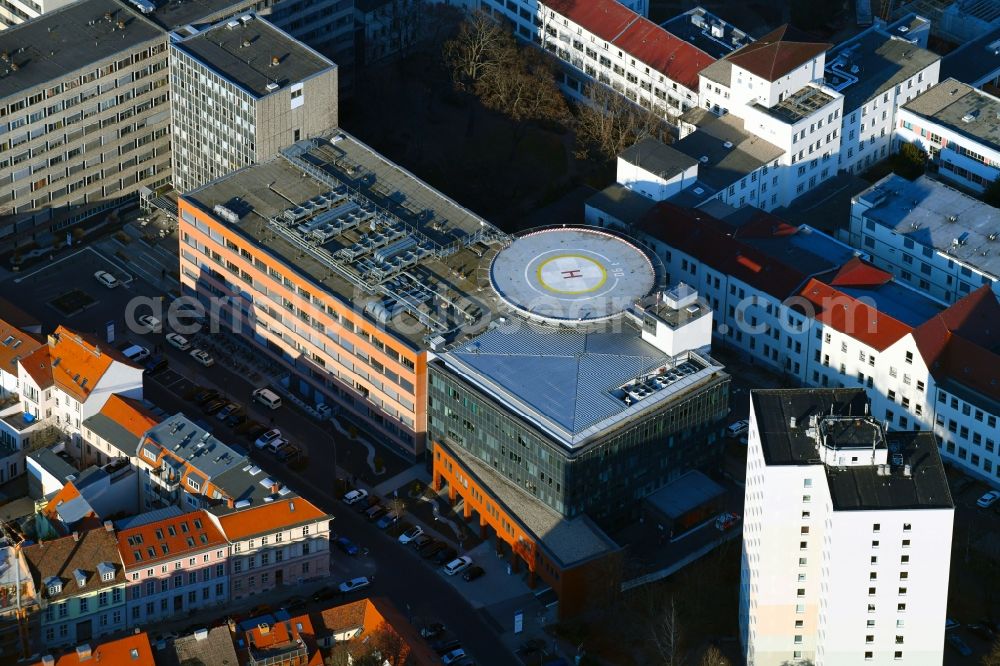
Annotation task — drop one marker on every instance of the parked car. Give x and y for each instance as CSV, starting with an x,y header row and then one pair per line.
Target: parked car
x,y
107,279
288,452
366,504
453,657
179,341
432,630
432,549
355,496
348,546
988,500
236,418
354,584
411,534
224,413
205,396
324,593
959,645
726,521
420,541
267,437
458,565
472,573
155,364
276,445
294,602
135,353
446,555
150,323
738,428
202,357
445,645
385,521
213,406
375,512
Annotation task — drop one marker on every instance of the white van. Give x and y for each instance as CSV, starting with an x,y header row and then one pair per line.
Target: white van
x,y
136,353
267,397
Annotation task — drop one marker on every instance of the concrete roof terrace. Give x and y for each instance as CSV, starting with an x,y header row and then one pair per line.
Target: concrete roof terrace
x,y
253,54
368,233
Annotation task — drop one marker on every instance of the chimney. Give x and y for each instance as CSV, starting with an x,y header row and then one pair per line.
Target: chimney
x,y
791,421
907,471
275,487
275,61
83,652
76,536
109,526
264,628
230,503
48,660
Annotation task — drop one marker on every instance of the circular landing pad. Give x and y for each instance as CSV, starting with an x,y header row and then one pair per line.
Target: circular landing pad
x,y
571,275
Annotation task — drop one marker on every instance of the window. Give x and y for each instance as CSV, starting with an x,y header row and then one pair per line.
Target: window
x,y
868,656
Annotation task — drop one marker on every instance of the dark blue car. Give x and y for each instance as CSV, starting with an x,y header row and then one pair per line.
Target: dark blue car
x,y
347,546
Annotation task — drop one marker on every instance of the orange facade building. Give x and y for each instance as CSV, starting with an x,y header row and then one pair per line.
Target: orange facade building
x,y
345,268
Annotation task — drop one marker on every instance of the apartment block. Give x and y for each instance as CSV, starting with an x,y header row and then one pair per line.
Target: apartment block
x,y
173,566
929,235
607,42
803,305
956,125
114,432
81,582
84,117
242,89
877,72
282,542
847,535
352,286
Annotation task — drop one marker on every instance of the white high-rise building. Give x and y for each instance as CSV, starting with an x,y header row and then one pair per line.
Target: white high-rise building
x,y
847,535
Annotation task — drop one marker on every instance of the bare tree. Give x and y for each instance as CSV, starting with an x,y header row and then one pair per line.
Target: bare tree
x,y
666,635
389,645
713,657
610,123
992,658
525,89
482,45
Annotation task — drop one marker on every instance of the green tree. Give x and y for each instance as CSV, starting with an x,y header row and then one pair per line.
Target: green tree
x,y
910,161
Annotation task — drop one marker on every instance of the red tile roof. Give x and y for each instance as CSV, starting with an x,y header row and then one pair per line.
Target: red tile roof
x,y
168,539
960,344
275,643
15,344
133,650
777,53
852,316
72,361
712,242
269,517
857,273
370,616
605,18
639,37
129,413
675,58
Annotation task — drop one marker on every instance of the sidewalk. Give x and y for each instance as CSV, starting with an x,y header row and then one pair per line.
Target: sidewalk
x,y
415,473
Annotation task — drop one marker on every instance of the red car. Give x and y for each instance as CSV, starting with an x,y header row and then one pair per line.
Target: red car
x,y
726,521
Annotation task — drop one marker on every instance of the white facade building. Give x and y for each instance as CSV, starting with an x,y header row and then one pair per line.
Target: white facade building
x,y
803,305
956,125
847,535
878,71
931,236
610,42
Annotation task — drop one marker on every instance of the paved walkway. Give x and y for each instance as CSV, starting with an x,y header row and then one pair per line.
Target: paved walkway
x,y
415,473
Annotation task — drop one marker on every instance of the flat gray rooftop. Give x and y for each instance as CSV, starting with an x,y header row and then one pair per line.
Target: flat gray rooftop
x,y
67,40
730,151
975,61
859,487
922,210
621,203
961,108
657,158
570,541
882,62
186,440
707,31
171,14
800,104
689,491
576,384
241,51
367,232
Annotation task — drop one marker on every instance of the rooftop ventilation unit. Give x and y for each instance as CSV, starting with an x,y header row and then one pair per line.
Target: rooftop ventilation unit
x,y
271,87
727,144
232,24
144,6
970,116
226,214
703,159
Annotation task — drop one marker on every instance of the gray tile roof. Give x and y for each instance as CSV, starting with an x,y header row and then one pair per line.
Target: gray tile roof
x,y
112,432
214,649
657,158
725,164
883,62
